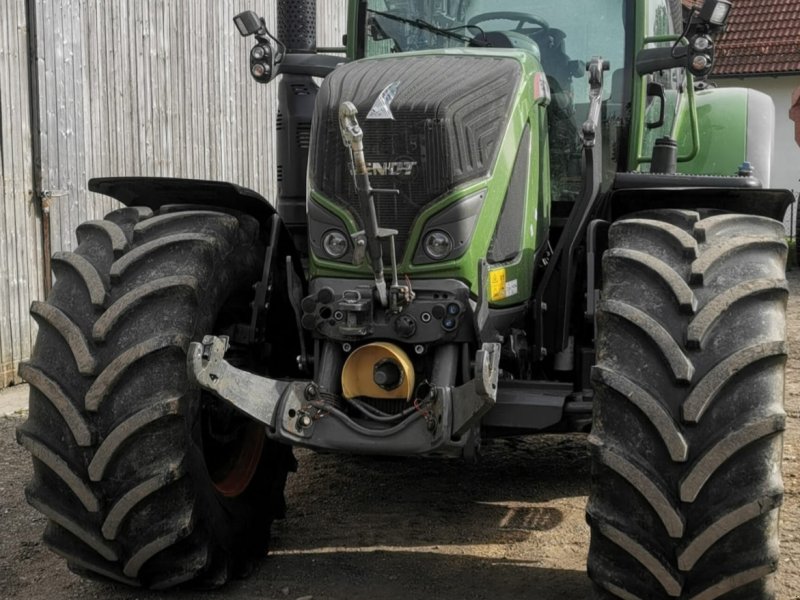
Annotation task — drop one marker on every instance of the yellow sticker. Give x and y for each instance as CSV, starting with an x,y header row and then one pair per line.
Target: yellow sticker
x,y
497,284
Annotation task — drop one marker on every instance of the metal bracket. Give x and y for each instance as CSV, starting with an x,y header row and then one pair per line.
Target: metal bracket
x,y
484,328
53,193
353,138
590,128
296,297
472,400
255,396
263,289
557,286
352,135
597,230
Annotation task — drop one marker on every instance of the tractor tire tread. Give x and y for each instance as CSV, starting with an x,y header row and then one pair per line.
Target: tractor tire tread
x,y
119,472
688,417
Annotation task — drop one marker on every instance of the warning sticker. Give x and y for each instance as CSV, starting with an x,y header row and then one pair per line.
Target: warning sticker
x,y
511,288
497,284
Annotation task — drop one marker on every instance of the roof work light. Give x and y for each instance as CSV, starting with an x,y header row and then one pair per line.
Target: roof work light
x,y
715,12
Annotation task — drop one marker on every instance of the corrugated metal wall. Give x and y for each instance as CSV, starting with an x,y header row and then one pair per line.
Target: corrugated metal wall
x,y
153,87
126,87
20,232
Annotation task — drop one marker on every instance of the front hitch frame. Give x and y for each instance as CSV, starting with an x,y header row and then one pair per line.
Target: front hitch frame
x,y
255,396
293,413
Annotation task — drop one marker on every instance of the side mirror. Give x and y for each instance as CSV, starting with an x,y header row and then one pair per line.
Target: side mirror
x,y
249,23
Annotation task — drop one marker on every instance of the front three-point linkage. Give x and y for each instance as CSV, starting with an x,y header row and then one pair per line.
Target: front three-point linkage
x,y
369,241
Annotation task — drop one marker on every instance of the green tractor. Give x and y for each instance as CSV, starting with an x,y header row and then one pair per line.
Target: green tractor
x,y
494,219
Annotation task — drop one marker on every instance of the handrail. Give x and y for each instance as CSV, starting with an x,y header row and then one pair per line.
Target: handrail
x,y
693,121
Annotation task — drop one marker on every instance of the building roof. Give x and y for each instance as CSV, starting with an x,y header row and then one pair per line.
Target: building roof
x,y
762,38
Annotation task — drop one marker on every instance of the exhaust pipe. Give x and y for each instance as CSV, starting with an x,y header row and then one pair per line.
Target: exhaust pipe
x,y
297,25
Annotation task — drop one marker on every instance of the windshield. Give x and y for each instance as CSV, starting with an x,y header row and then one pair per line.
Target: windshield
x,y
564,31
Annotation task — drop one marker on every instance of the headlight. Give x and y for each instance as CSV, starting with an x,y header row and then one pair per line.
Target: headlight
x,y
437,245
258,52
448,233
335,244
259,70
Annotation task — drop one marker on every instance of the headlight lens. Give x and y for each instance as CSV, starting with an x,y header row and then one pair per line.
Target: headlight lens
x,y
437,244
335,244
258,52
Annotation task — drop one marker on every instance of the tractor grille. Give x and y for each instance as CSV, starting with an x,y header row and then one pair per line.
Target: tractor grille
x,y
450,113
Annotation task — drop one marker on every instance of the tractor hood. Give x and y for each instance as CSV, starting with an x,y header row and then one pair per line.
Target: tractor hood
x,y
430,123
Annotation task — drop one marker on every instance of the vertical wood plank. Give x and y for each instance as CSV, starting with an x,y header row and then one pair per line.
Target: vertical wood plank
x,y
20,240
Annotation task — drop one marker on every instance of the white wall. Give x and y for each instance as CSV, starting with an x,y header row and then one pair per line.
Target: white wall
x,y
786,153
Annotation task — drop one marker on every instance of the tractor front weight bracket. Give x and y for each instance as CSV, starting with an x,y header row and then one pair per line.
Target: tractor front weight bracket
x,y
301,413
251,394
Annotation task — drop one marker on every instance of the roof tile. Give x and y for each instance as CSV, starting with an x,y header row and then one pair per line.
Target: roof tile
x,y
762,38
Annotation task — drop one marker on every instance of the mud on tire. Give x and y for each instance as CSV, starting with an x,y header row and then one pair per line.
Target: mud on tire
x,y
686,442
116,433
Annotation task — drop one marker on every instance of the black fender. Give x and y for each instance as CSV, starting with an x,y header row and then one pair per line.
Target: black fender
x,y
633,192
282,259
155,192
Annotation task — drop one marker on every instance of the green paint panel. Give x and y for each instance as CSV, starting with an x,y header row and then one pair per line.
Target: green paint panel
x,y
722,120
524,112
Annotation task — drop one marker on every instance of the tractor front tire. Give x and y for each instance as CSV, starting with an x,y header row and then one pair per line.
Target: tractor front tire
x,y
143,479
686,441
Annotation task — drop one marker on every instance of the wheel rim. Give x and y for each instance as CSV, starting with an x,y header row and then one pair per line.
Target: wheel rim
x,y
233,476
232,443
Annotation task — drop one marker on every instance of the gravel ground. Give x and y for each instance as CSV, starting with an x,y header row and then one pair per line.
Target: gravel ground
x,y
509,527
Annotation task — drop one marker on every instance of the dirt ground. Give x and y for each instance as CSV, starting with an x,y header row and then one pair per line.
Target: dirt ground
x,y
509,527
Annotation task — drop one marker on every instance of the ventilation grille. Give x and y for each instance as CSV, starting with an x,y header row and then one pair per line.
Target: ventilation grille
x,y
304,135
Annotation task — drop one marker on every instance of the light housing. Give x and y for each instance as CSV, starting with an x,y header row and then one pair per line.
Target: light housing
x,y
457,220
715,12
701,43
700,63
249,23
258,52
259,70
335,244
437,244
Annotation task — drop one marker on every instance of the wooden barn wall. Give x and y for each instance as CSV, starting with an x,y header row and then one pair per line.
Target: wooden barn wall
x,y
155,88
125,87
20,229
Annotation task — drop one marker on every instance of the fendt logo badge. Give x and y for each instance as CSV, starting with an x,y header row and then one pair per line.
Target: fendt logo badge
x,y
401,168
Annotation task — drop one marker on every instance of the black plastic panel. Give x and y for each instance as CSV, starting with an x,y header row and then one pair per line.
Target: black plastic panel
x,y
531,405
155,192
766,203
507,240
449,126
626,181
